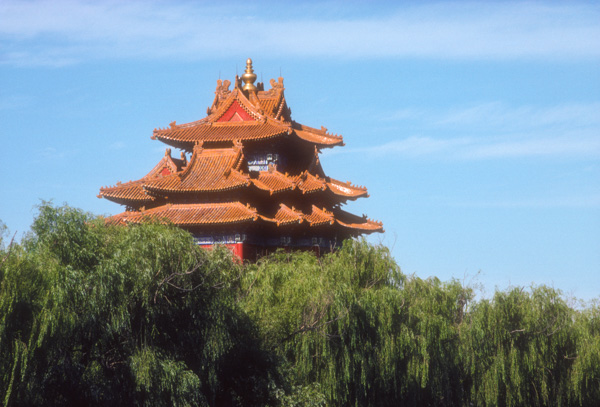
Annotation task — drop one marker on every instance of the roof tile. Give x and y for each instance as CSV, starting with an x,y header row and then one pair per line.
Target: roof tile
x,y
133,192
274,182
191,214
209,170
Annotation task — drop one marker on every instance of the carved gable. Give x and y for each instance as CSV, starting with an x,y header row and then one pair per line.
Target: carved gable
x,y
235,113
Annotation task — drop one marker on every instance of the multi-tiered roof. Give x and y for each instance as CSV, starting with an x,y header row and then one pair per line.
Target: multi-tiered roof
x,y
253,172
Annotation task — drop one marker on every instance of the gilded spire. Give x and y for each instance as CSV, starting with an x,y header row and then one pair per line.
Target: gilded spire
x,y
249,77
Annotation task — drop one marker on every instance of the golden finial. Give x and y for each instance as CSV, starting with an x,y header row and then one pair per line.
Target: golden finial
x,y
249,77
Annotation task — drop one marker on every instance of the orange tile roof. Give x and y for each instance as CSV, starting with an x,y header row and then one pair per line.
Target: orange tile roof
x,y
319,217
272,102
191,214
346,189
359,224
221,131
132,191
209,170
126,193
235,212
237,99
172,164
274,182
286,216
265,120
219,170
319,137
269,105
308,183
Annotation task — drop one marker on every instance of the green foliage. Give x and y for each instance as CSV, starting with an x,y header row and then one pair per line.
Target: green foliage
x,y
3,232
100,315
517,347
163,381
354,323
97,315
301,396
368,335
585,375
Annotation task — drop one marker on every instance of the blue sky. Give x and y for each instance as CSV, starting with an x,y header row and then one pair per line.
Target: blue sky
x,y
475,125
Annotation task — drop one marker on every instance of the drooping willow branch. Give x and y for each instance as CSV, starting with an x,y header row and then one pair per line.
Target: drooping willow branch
x,y
168,280
10,246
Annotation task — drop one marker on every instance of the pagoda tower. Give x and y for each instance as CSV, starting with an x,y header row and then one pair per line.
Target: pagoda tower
x,y
253,182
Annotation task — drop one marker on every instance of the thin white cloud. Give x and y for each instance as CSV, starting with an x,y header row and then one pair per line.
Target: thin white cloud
x,y
498,115
118,145
416,146
569,146
471,148
495,130
404,114
574,201
63,32
50,153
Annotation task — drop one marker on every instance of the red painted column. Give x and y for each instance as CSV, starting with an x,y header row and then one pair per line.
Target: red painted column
x,y
237,249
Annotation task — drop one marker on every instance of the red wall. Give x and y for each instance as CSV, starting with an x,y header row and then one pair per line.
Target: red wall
x,y
236,248
250,252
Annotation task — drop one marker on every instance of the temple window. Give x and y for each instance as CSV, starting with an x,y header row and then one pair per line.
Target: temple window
x,y
261,162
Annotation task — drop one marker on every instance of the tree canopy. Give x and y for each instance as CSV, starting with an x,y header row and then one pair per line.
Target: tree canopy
x,y
92,314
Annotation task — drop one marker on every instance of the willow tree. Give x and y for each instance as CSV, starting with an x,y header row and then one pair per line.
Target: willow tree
x,y
99,315
96,315
519,349
585,373
352,322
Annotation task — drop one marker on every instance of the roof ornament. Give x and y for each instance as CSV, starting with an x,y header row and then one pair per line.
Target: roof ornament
x,y
223,86
249,77
198,147
222,90
278,84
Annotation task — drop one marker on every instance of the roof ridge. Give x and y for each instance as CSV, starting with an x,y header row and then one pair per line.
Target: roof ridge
x,y
321,131
243,101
